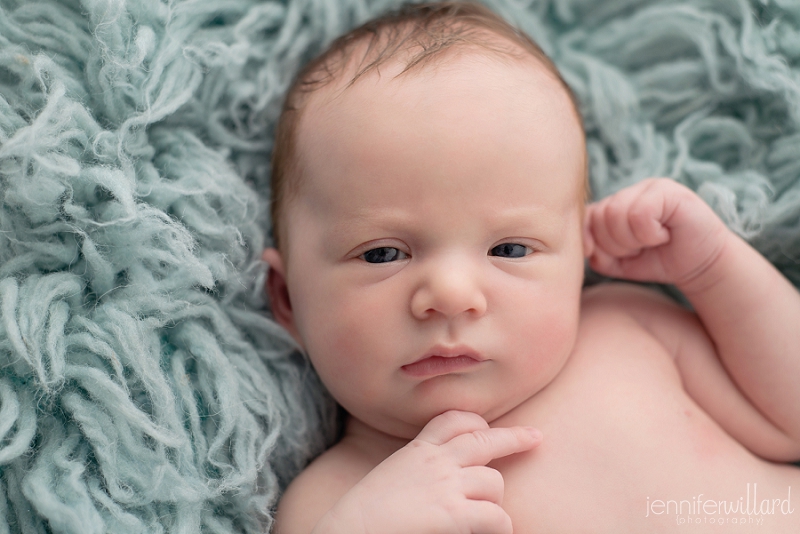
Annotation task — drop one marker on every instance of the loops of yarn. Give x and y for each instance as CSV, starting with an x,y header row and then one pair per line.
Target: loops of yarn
x,y
17,421
142,387
33,319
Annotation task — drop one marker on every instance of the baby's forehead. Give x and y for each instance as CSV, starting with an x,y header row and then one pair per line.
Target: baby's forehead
x,y
457,72
443,116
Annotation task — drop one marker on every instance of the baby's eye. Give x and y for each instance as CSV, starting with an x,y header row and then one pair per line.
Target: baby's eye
x,y
383,255
510,250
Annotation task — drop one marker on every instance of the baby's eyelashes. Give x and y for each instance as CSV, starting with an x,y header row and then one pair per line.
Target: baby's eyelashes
x,y
383,255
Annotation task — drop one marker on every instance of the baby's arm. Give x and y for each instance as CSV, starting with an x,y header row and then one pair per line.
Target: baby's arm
x,y
439,482
660,231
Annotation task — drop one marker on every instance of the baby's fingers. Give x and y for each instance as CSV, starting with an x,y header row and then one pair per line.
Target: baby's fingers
x,y
630,220
605,263
482,446
488,518
471,441
483,483
450,424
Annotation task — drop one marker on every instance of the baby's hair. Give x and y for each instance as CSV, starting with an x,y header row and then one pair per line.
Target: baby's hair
x,y
417,33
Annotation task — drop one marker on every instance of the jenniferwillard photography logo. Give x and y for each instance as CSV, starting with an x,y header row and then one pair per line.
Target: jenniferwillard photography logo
x,y
751,508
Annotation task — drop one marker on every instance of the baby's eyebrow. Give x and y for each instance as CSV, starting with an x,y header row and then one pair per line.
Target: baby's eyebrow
x,y
524,219
357,220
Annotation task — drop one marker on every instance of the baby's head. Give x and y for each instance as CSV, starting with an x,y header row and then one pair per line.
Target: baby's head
x,y
410,39
428,184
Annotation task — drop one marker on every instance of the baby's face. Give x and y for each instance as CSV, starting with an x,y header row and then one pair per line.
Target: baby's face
x,y
434,256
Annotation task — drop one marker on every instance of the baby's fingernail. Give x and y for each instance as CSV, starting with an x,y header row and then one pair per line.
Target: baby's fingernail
x,y
534,432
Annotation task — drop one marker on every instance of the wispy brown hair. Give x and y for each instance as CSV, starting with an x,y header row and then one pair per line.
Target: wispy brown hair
x,y
415,33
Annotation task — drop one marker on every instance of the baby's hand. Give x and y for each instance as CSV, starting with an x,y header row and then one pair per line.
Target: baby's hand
x,y
437,483
656,230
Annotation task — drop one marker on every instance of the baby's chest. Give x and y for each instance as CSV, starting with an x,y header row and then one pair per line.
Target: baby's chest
x,y
620,434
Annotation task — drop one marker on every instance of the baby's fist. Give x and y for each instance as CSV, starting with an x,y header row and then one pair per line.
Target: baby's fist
x,y
656,230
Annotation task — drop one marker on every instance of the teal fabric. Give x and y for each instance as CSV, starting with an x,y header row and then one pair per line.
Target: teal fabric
x,y
142,386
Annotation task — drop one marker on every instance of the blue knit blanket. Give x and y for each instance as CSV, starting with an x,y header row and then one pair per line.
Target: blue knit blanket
x,y
143,387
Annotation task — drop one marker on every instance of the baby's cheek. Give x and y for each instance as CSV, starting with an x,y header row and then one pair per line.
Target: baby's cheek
x,y
344,352
549,337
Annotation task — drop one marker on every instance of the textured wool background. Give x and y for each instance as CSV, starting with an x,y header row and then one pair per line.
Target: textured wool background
x,y
142,388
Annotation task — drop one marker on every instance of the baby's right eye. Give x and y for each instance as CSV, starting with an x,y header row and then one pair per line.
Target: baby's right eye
x,y
383,255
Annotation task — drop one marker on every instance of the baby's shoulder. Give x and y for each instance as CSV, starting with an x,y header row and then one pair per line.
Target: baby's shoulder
x,y
640,307
637,301
625,296
318,488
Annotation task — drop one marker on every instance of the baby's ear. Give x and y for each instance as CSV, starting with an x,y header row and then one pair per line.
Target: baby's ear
x,y
278,292
588,240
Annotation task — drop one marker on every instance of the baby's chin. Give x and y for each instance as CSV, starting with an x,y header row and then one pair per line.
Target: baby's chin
x,y
407,425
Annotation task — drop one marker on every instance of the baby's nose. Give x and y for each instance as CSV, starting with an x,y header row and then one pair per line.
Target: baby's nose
x,y
449,289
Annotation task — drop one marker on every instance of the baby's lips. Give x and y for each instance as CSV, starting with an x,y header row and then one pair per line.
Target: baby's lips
x,y
439,365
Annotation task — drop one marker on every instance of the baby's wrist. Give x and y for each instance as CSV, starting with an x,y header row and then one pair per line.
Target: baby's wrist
x,y
708,274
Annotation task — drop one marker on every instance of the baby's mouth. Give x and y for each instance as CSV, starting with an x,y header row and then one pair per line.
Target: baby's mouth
x,y
442,361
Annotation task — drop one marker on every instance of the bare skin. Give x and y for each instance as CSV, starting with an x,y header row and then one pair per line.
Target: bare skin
x,y
461,244
593,472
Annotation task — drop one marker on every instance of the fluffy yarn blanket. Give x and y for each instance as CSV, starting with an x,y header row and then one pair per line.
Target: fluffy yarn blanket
x,y
142,386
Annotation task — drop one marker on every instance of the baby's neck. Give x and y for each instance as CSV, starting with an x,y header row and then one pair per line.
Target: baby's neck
x,y
370,440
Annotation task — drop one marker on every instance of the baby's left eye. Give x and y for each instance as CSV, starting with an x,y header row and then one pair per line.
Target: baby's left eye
x,y
510,250
383,255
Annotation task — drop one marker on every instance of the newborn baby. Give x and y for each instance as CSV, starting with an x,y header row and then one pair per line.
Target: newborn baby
x,y
431,226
